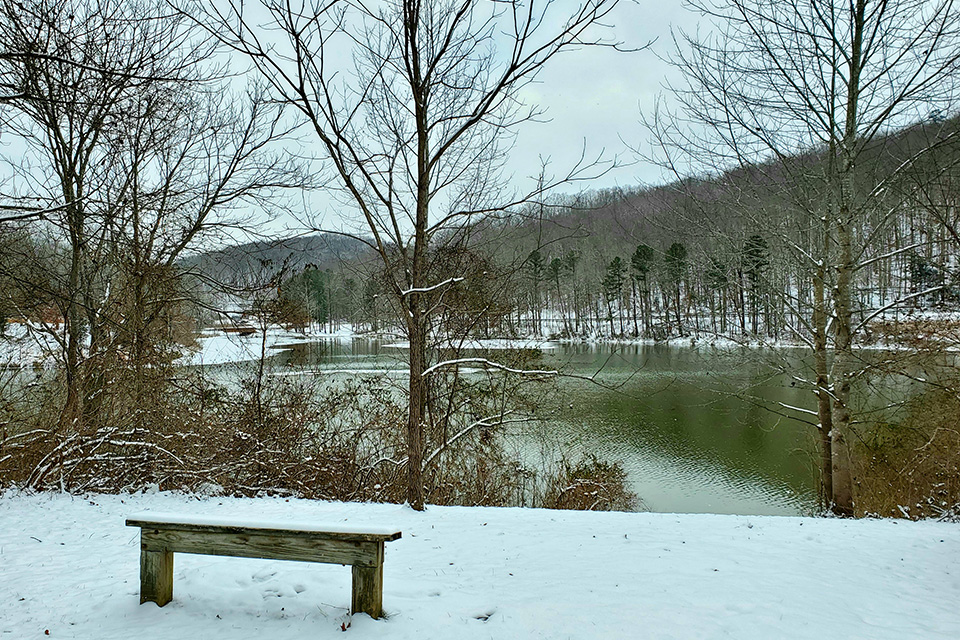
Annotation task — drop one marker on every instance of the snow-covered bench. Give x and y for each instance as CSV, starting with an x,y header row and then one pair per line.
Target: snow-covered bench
x,y
161,535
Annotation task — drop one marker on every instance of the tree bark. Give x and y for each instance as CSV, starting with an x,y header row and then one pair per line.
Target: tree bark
x,y
416,414
824,412
843,293
840,454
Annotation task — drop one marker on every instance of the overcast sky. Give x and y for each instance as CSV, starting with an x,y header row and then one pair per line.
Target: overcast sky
x,y
593,99
595,95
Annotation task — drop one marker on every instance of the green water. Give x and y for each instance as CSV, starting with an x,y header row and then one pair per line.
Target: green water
x,y
689,425
693,427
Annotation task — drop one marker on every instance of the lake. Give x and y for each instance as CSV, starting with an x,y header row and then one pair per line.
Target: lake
x,y
688,424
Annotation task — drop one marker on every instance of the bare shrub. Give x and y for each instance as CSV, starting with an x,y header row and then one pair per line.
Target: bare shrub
x,y
189,433
292,435
590,485
281,436
911,469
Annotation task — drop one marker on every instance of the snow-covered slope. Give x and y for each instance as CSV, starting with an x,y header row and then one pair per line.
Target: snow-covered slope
x,y
69,566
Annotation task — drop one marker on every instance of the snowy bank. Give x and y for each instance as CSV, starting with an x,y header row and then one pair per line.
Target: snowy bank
x,y
217,347
69,566
24,345
491,344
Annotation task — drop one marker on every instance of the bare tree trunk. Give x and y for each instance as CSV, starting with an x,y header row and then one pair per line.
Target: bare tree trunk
x,y
840,454
824,399
677,310
416,414
647,309
73,316
843,294
723,310
742,307
563,308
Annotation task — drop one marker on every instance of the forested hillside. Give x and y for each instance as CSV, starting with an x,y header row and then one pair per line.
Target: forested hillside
x,y
715,256
253,263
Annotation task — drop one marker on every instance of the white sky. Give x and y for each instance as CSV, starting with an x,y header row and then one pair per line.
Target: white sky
x,y
595,96
592,99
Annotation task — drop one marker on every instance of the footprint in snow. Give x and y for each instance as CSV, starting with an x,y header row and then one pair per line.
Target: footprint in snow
x,y
483,617
264,575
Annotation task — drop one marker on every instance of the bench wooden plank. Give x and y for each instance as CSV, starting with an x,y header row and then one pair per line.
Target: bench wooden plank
x,y
271,546
330,531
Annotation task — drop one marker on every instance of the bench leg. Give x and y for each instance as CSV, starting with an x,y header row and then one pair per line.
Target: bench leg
x,y
156,576
368,591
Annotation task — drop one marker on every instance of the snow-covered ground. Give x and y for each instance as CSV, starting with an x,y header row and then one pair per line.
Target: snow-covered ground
x,y
69,566
217,347
489,344
22,345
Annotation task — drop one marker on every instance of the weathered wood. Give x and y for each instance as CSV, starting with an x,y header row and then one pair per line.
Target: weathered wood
x,y
258,545
156,576
289,533
367,596
364,550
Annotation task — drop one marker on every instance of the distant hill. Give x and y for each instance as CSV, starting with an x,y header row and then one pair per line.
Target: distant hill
x,y
255,263
600,225
706,214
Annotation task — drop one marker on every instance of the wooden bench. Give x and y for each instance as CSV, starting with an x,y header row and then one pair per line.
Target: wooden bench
x,y
161,535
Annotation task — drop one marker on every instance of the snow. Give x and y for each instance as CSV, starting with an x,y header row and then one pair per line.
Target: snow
x,y
492,344
276,525
26,345
68,565
440,285
217,347
23,345
371,371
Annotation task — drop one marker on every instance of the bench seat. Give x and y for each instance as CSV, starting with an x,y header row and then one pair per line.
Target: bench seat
x,y
161,535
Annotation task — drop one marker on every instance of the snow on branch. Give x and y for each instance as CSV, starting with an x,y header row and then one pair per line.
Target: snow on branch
x,y
800,409
449,281
888,255
896,303
489,363
498,420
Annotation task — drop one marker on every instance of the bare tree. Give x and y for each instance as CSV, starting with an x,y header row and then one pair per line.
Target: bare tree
x,y
804,88
414,124
128,155
67,109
